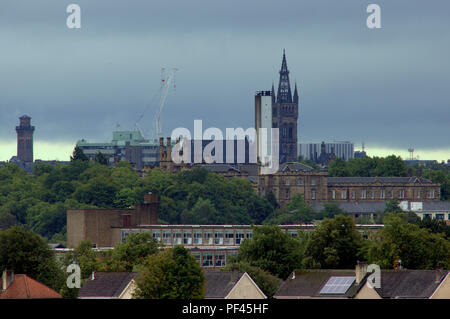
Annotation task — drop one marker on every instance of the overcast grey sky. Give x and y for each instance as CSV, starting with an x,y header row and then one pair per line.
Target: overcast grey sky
x,y
388,87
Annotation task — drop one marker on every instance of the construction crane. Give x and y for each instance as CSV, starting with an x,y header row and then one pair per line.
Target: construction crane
x,y
165,85
166,82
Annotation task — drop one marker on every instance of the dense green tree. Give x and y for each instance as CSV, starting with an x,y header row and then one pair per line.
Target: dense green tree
x,y
272,250
297,211
392,206
335,243
270,196
330,210
25,252
435,226
171,274
416,248
441,175
99,191
132,252
78,155
7,220
368,166
84,256
339,167
101,158
205,213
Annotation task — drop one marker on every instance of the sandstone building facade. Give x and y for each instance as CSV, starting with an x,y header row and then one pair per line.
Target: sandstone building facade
x,y
317,186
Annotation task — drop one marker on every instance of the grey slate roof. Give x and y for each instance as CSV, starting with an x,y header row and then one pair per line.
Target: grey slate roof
x,y
106,284
409,283
443,206
219,168
308,283
379,206
294,167
383,180
220,283
354,207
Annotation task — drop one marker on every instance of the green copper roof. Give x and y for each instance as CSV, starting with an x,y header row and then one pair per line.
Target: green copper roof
x,y
120,138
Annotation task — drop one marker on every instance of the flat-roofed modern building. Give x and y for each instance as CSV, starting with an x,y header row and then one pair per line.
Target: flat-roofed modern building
x,y
130,146
312,151
213,245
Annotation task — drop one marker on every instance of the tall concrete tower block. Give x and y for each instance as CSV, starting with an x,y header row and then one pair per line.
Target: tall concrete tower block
x,y
263,120
25,139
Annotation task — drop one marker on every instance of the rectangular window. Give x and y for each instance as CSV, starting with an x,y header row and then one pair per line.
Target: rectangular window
x,y
187,237
156,233
333,194
219,259
176,237
427,215
440,216
287,193
382,193
229,237
391,192
353,194
207,259
239,237
344,194
300,182
313,182
418,194
124,234
401,194
198,237
363,194
207,236
166,237
287,182
313,194
218,238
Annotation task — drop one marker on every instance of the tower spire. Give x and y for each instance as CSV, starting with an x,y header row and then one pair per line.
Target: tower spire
x,y
273,93
295,93
284,88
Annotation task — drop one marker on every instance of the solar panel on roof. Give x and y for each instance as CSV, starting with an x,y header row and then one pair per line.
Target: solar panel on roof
x,y
337,285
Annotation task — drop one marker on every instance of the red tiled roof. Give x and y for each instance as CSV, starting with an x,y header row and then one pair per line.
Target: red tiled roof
x,y
24,287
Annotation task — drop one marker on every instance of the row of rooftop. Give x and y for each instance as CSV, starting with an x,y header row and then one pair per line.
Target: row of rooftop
x,y
219,284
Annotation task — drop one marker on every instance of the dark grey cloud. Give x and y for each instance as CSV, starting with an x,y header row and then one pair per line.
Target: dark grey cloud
x,y
388,87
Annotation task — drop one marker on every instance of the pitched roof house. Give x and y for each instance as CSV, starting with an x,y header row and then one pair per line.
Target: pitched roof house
x,y
109,285
231,285
20,286
321,283
409,284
